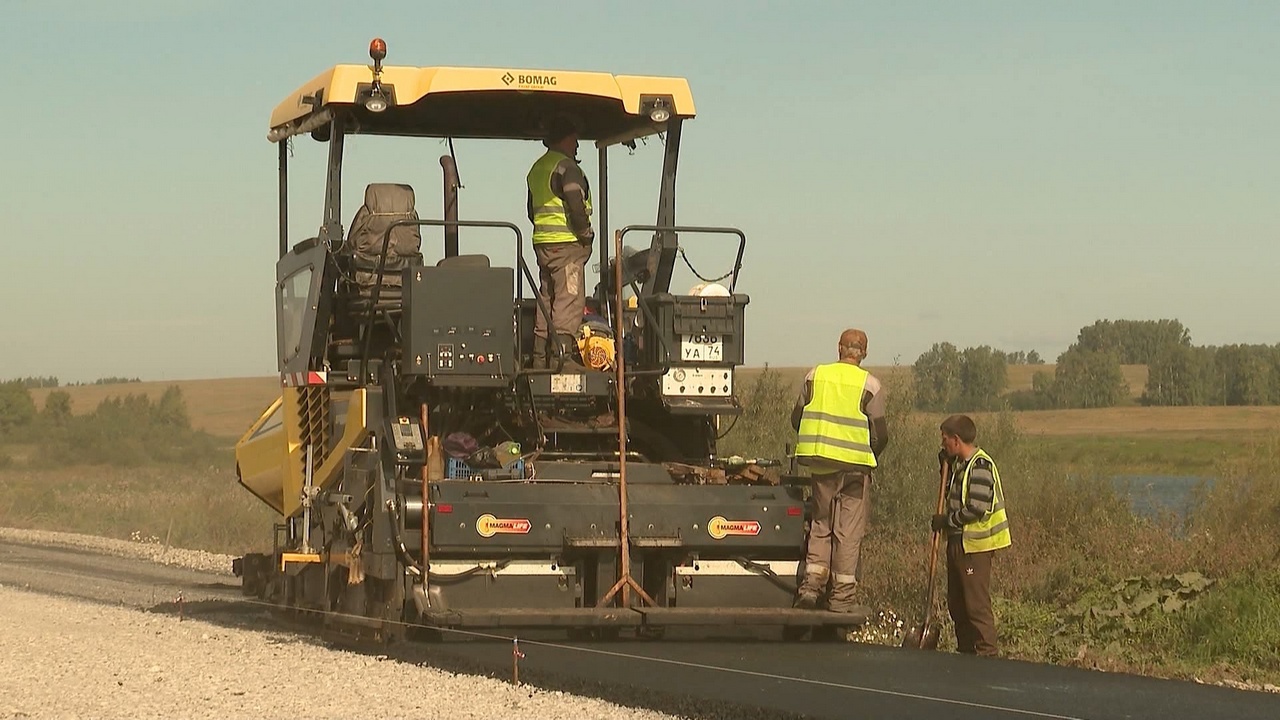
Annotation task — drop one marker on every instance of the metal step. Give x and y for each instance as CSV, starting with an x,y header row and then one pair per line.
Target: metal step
x,y
642,616
751,616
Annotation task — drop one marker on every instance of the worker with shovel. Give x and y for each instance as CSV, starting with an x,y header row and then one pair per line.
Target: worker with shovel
x,y
976,525
840,417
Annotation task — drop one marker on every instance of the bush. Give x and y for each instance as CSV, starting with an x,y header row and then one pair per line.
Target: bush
x,y
764,427
17,409
1028,400
129,432
1239,623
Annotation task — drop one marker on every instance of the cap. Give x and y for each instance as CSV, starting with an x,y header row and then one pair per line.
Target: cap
x,y
854,338
559,126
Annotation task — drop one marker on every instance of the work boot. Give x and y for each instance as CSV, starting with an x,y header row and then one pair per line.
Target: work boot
x,y
845,597
539,352
806,600
809,594
569,349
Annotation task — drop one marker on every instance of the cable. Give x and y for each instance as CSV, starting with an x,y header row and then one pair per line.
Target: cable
x,y
733,423
451,577
685,257
457,175
768,572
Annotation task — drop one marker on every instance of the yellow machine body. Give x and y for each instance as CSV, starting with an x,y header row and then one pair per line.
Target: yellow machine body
x,y
271,458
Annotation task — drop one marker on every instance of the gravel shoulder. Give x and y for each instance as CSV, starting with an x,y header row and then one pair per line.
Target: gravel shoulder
x,y
199,560
77,640
61,657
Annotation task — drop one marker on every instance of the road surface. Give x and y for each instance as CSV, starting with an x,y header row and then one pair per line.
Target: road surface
x,y
766,679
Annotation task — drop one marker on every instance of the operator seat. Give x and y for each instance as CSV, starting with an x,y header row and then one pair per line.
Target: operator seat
x,y
384,204
357,263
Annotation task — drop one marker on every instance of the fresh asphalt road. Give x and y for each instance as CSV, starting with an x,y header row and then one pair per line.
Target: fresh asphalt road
x,y
839,680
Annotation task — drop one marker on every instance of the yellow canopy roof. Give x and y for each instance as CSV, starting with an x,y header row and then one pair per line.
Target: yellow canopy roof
x,y
488,102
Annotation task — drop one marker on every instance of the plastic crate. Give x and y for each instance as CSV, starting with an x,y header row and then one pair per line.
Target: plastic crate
x,y
456,469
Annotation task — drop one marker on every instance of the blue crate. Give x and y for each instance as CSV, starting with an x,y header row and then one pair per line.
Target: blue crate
x,y
456,469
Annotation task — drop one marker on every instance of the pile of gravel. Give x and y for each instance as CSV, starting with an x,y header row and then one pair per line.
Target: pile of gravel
x,y
67,658
178,557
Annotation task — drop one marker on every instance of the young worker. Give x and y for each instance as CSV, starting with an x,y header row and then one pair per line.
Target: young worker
x,y
976,525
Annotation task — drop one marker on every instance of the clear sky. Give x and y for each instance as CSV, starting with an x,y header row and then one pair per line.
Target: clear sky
x,y
980,172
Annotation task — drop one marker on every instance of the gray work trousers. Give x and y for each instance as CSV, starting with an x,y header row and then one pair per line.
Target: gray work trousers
x,y
841,509
562,273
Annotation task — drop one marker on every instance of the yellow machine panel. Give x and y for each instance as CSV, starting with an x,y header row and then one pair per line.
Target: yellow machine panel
x,y
271,458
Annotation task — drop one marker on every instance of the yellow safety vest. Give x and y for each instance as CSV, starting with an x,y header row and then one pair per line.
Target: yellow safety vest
x,y
550,221
992,531
832,425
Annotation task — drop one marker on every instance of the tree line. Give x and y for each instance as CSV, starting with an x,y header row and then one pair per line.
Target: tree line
x,y
36,383
1089,373
126,431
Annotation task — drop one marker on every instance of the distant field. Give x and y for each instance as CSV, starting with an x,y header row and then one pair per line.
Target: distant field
x,y
1198,421
228,406
1019,376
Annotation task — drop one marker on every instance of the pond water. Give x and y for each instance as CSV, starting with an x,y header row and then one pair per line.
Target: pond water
x,y
1151,495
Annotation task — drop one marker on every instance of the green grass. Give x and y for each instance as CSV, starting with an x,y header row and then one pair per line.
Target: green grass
x,y
1136,454
133,466
198,508
1075,538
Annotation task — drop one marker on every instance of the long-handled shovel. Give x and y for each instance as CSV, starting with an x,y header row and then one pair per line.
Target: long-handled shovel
x,y
924,635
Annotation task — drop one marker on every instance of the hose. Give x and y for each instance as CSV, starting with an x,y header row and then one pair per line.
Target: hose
x,y
453,577
402,553
768,572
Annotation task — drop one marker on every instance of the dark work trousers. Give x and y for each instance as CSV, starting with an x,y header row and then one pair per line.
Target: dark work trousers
x,y
561,270
969,598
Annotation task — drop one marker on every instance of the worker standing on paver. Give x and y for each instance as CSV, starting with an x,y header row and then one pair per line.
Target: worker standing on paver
x,y
840,418
559,206
977,525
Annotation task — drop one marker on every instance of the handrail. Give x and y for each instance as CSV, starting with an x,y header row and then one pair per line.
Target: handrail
x,y
704,229
737,266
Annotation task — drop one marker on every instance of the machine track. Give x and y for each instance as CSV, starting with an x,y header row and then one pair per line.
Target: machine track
x,y
692,678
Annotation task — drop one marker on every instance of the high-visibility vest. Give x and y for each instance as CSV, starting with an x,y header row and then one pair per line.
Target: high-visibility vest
x,y
991,532
550,221
833,425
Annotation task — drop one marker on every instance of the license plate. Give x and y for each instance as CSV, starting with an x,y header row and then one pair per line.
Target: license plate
x,y
567,383
701,348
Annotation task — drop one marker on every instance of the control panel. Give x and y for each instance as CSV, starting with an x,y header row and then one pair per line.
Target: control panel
x,y
407,437
458,324
698,382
